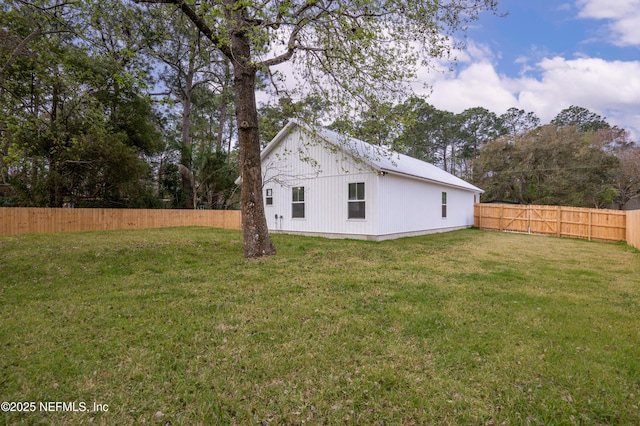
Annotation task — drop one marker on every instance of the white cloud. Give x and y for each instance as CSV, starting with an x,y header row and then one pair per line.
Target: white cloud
x,y
609,88
476,85
607,9
623,17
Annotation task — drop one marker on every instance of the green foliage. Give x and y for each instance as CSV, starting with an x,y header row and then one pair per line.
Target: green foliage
x,y
217,174
516,122
582,118
429,133
354,54
510,156
628,182
548,165
273,117
212,174
76,126
416,128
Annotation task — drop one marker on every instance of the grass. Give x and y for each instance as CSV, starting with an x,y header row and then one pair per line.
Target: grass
x,y
174,327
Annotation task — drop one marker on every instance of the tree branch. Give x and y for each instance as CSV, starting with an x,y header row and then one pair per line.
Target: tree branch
x,y
197,21
291,45
16,52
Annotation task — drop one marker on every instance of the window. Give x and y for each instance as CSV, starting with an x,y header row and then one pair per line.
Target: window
x,y
269,197
297,204
356,201
444,204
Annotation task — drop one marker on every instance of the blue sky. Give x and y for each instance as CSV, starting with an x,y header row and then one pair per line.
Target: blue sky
x,y
543,57
546,56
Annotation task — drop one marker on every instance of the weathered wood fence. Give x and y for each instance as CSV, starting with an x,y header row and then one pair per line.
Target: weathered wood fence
x,y
589,224
17,220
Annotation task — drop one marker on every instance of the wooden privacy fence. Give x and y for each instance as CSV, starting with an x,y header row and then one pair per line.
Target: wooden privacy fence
x,y
633,228
573,222
18,220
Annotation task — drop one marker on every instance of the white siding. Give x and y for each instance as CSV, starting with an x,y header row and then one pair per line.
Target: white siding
x,y
413,206
325,175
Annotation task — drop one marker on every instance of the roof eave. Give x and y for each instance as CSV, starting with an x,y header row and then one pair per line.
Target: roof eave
x,y
435,181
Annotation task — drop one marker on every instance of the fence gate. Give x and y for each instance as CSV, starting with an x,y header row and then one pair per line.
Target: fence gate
x,y
591,224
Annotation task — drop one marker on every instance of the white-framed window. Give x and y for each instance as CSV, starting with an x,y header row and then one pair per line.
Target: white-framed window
x,y
297,202
356,201
444,204
268,197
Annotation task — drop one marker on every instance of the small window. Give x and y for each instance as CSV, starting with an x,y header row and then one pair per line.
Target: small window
x,y
356,201
444,204
269,197
297,204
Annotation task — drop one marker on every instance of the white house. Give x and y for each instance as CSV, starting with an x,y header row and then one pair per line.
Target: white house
x,y
317,182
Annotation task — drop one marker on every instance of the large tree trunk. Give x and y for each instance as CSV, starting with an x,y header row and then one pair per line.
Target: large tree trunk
x,y
254,223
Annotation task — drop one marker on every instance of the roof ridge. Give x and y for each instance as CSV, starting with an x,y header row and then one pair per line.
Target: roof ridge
x,y
379,157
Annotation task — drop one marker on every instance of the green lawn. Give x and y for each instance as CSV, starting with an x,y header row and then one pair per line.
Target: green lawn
x,y
174,327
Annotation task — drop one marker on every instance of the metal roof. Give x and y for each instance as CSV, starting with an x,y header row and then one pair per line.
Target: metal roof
x,y
380,158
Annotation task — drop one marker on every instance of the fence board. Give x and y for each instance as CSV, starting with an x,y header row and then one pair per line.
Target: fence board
x,y
573,222
18,220
633,228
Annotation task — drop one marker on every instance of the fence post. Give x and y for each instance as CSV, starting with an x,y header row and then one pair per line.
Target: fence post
x,y
559,225
501,216
589,226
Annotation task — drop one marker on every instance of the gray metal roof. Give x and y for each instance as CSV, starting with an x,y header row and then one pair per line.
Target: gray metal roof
x,y
380,158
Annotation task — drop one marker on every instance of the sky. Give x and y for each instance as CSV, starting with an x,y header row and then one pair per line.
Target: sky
x,y
545,56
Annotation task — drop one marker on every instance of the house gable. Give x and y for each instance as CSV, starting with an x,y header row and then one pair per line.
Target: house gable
x,y
299,164
301,151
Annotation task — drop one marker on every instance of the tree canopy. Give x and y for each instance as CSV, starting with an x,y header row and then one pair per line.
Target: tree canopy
x,y
549,165
353,52
74,122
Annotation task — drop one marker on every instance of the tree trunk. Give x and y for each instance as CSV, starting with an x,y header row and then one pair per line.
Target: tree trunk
x,y
188,188
222,118
55,172
444,155
254,223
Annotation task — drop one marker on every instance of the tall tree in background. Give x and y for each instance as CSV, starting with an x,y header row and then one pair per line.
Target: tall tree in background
x,y
189,66
616,141
628,182
549,165
427,133
582,118
342,48
274,116
477,127
516,122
